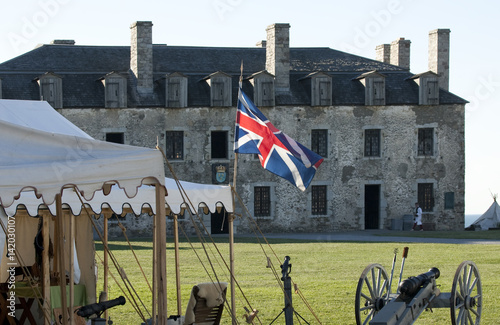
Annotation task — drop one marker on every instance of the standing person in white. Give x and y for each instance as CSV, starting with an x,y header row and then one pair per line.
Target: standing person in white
x,y
417,218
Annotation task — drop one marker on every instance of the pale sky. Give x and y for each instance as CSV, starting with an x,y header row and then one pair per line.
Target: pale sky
x,y
352,26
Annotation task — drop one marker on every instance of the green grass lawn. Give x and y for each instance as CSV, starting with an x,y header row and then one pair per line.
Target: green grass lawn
x,y
325,272
486,235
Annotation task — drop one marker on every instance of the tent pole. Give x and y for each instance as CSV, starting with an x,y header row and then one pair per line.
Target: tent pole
x,y
155,276
71,266
161,245
177,267
106,258
46,265
62,270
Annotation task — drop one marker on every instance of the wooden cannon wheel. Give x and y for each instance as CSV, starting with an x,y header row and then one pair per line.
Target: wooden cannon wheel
x,y
372,293
466,295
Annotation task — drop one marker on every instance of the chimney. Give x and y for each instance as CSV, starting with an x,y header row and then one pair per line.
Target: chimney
x,y
383,53
141,55
439,55
261,43
63,42
400,53
278,55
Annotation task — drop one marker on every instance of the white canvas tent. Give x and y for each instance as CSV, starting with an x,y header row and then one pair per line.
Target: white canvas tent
x,y
40,151
489,219
44,157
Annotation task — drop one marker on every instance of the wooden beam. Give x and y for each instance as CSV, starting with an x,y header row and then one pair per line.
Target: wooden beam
x,y
106,214
62,271
71,264
46,265
177,265
161,254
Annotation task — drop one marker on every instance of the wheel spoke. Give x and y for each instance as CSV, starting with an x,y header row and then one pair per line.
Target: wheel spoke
x,y
473,285
372,294
366,297
474,311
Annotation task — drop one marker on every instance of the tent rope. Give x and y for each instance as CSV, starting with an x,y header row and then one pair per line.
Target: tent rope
x,y
186,199
122,227
113,258
257,228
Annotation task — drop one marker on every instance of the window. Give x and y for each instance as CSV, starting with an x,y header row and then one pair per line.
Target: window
x,y
449,200
219,145
378,91
174,145
319,142
176,90
432,92
318,200
263,88
426,196
115,137
374,83
220,89
428,91
51,89
262,201
426,142
372,143
321,90
115,90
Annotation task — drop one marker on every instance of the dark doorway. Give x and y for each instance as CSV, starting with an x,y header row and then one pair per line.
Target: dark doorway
x,y
219,222
372,206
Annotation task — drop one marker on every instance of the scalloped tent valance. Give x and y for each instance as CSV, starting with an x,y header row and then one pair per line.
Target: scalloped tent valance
x,y
196,196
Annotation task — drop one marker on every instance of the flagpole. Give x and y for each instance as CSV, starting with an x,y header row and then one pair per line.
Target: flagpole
x,y
231,222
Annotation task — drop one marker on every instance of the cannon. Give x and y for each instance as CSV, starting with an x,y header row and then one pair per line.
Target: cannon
x,y
98,308
375,304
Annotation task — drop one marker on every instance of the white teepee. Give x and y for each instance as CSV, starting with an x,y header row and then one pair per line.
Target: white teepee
x,y
489,219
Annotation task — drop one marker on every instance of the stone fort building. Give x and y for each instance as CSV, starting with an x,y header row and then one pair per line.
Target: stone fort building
x,y
389,137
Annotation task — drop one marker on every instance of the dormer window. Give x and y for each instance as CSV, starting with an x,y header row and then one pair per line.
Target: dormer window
x,y
115,90
176,90
428,93
50,86
263,88
220,89
321,88
374,83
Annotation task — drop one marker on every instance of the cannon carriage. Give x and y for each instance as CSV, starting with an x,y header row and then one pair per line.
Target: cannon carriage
x,y
376,304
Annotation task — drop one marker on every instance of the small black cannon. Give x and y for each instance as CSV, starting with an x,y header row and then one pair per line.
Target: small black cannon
x,y
376,305
98,308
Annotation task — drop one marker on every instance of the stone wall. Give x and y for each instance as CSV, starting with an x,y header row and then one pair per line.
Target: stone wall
x,y
345,171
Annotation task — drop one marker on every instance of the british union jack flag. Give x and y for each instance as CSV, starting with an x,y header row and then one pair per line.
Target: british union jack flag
x,y
278,153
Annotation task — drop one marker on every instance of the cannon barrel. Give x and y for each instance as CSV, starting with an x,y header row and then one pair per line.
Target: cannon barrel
x,y
99,307
411,285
